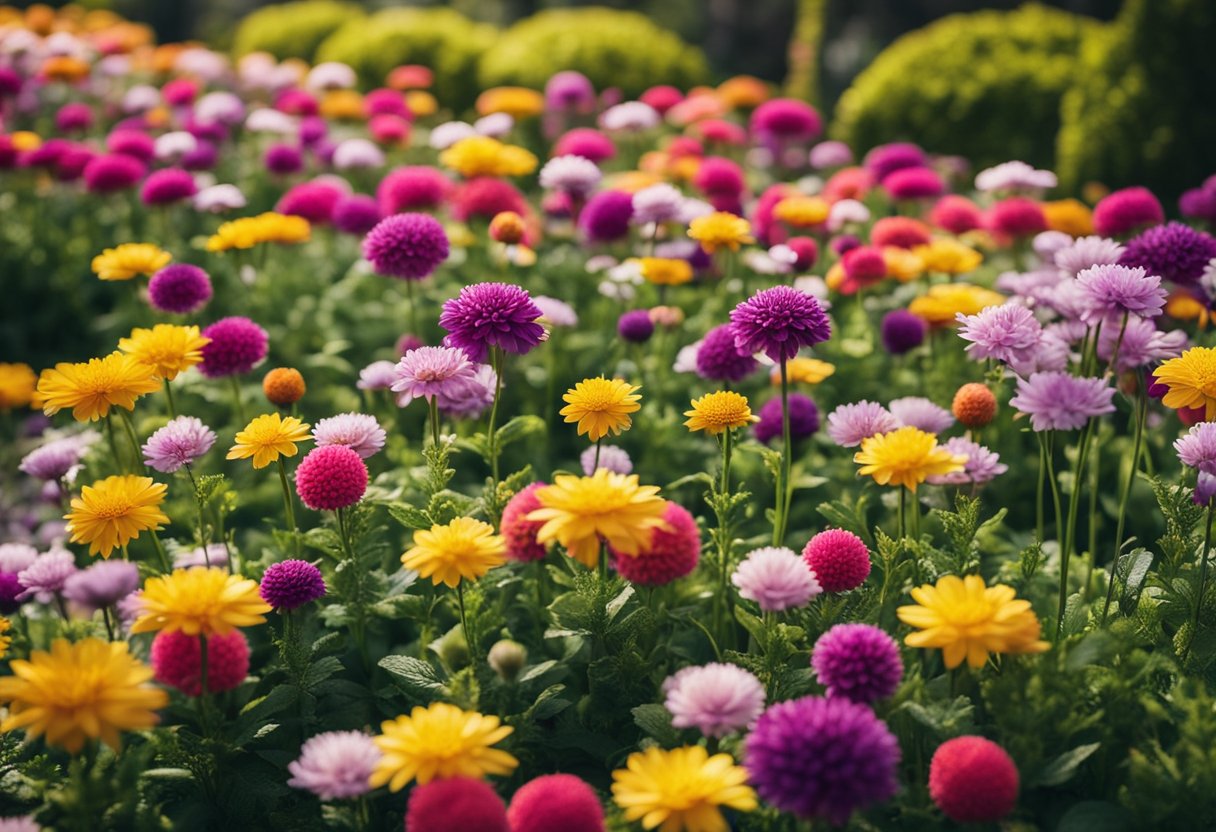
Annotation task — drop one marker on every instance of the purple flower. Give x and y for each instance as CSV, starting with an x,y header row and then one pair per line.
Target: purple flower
x,y
112,172
283,159
237,344
59,458
657,203
1035,286
613,458
1060,401
569,91
718,359
1014,176
20,823
1197,449
407,246
314,201
804,418
487,315
822,758
919,412
1205,489
779,322
1174,251
1087,252
103,584
857,661
358,431
716,699
335,765
830,154
885,159
289,584
1007,333
982,465
1142,344
216,554
902,331
471,401
572,174
605,217
851,423
635,326
776,579
182,441
555,312
179,289
1115,291
10,593
379,375
432,371
356,214
45,577
16,556
166,186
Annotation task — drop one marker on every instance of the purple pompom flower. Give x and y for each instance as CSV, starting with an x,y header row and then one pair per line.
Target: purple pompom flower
x,y
605,218
804,418
290,584
427,372
902,331
357,431
1009,333
487,315
716,699
849,424
181,442
982,465
108,173
164,187
776,579
779,322
44,579
612,458
179,289
635,326
1060,401
356,214
857,661
335,765
718,359
1115,291
237,344
1174,251
103,584
406,246
919,412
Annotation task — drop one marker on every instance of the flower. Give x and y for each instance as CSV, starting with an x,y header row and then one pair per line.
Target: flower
x,y
1087,252
775,579
463,549
426,372
180,442
1057,400
237,344
283,386
838,558
1123,211
17,385
673,551
721,230
166,186
335,765
91,689
1141,343
612,457
1114,291
487,315
982,465
6,641
802,370
579,511
822,758
973,780
716,412
573,174
1175,251
439,742
44,579
905,456
1008,333
129,259
90,389
778,322
267,438
103,584
657,203
290,584
357,431
804,418
555,312
601,406
16,556
802,211
556,803
902,331
969,620
407,246
177,661
635,326
850,424
681,790
59,458
485,156
606,216
919,412
859,662
1014,176
112,512
944,302
718,359
458,804
471,401
179,289
716,699
331,478
518,532
270,227
199,601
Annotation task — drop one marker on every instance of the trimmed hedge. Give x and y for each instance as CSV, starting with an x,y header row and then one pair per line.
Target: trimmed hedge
x,y
612,48
985,85
292,30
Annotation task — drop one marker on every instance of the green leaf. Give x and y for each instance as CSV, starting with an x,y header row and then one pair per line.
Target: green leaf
x,y
1132,571
537,670
414,676
655,721
519,428
701,477
1095,816
1064,768
752,623
319,671
409,516
549,704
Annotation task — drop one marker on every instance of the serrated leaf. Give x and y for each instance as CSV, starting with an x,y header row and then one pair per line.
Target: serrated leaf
x,y
519,428
409,516
549,703
1064,768
414,676
655,721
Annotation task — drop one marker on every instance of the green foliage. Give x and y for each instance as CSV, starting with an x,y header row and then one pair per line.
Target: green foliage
x,y
612,48
985,85
292,30
1140,111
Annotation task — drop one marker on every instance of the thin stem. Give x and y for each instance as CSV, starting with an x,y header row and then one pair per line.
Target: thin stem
x,y
1203,580
202,525
1125,493
288,506
433,408
727,443
1070,530
464,621
129,429
1038,492
238,405
409,296
1114,356
491,438
903,498
169,400
105,615
784,489
160,552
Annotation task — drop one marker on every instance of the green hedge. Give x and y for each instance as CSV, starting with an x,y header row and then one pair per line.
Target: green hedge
x,y
985,85
442,39
1143,108
612,48
292,30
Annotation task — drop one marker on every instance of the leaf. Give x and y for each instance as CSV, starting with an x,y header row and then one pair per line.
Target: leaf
x,y
1095,816
701,477
537,670
618,603
752,623
1132,571
319,671
548,704
655,721
414,676
409,516
1064,768
1075,614
519,428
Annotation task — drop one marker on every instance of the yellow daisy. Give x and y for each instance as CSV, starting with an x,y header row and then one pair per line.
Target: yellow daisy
x,y
112,512
129,259
802,211
464,549
948,256
199,601
1191,379
716,412
269,227
90,389
268,437
517,102
486,156
601,406
905,456
803,370
943,302
681,790
665,271
721,230
166,348
437,743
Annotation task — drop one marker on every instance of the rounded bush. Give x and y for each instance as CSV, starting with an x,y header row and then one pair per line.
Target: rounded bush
x,y
292,30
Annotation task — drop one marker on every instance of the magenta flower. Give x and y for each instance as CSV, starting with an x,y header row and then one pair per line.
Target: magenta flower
x,y
406,246
919,412
776,579
1060,401
1008,333
779,322
166,186
1175,251
181,442
357,431
290,584
716,699
859,662
335,765
237,344
849,424
718,359
487,315
433,371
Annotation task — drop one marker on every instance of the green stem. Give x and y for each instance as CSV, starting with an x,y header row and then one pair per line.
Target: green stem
x,y
129,429
903,498
1125,493
784,489
464,622
289,507
1038,499
1070,529
169,400
1203,581
433,409
496,363
237,404
160,552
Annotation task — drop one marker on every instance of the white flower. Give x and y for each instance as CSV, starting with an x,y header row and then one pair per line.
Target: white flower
x,y
331,75
447,134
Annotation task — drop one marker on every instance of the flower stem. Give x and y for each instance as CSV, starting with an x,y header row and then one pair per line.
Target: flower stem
x,y
433,408
237,404
288,507
129,429
1070,529
169,400
1125,493
496,363
160,552
784,486
464,622
1203,580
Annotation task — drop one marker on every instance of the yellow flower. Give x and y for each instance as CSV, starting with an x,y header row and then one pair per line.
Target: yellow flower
x,y
721,230
485,156
803,370
437,743
601,406
943,302
969,620
6,640
112,512
91,389
906,456
17,385
342,105
948,256
421,103
92,689
199,601
517,102
903,265
1070,216
578,511
681,790
743,91
166,348
1191,379
270,227
464,549
129,259
802,211
26,140
268,437
1183,306
716,412
666,271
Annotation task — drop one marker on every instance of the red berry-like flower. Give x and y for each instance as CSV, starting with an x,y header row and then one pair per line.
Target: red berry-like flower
x,y
331,477
673,552
460,804
175,661
556,803
972,779
839,559
519,532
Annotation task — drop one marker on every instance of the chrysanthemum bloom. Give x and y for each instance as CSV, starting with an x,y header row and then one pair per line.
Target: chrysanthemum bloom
x,y
969,620
681,789
1121,212
379,375
859,662
613,458
103,584
180,442
822,758
775,579
179,289
1115,291
518,532
716,699
463,549
956,214
485,156
1197,449
1087,252
166,348
982,464
905,457
1174,251
357,431
556,803
850,424
606,216
335,765
407,246
270,227
17,385
218,199
129,259
487,315
919,412
237,344
1060,401
1142,344
176,660
1191,379
580,511
1014,176
719,359
721,230
411,189
457,804
356,214
778,322
575,175
199,601
673,551
902,331
838,558
830,154
331,478
44,579
973,780
486,197
601,406
16,556
471,401
268,437
290,584
427,372
804,418
974,405
1009,333
635,326
88,690
110,172
163,187
885,159
657,203
1016,217
440,742
112,512
914,184
720,411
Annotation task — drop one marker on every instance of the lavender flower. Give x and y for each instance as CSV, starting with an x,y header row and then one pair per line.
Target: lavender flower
x,y
358,431
181,442
1007,333
849,424
489,315
427,372
719,359
1087,252
982,465
1115,291
1060,401
15,557
1014,176
103,584
613,458
44,579
574,175
778,322
776,579
1197,449
215,555
379,375
657,203
470,402
716,699
335,765
919,412
1142,344
59,458
1205,489
555,312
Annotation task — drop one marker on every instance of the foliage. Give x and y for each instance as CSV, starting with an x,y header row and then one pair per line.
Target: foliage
x,y
292,30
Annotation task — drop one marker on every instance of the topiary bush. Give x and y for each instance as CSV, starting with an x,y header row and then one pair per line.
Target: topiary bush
x,y
1141,108
292,30
985,85
442,39
612,48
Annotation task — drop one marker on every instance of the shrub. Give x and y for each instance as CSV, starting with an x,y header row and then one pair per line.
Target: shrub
x,y
1140,111
612,48
985,85
292,30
